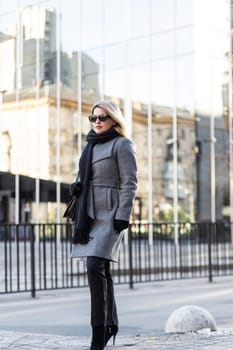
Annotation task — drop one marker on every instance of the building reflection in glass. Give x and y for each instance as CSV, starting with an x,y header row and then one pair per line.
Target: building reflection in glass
x,y
157,59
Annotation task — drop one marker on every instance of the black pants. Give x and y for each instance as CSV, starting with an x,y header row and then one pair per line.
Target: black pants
x,y
103,305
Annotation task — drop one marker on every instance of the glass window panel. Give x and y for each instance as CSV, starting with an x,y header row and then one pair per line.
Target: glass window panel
x,y
90,76
115,56
213,20
222,199
163,83
219,91
140,138
114,83
220,44
139,17
208,42
139,79
186,172
92,23
116,21
70,25
201,41
36,25
162,15
33,22
139,50
24,3
220,22
185,85
97,55
90,87
184,41
49,4
92,70
221,70
7,24
12,5
162,45
7,51
202,84
201,9
226,86
184,12
8,6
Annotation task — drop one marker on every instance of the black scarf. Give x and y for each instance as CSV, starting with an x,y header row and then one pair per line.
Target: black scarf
x,y
82,221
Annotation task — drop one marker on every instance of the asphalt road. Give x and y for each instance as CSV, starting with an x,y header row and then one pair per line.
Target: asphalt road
x,y
143,310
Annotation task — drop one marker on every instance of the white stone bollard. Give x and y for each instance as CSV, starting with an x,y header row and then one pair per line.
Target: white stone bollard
x,y
189,318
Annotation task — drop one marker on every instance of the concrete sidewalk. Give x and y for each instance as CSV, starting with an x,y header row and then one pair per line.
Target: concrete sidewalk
x,y
201,340
60,319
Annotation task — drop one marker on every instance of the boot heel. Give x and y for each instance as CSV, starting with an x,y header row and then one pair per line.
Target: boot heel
x,y
111,332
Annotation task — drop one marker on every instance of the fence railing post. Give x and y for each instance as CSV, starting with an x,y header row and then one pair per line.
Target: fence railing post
x,y
210,235
130,258
32,248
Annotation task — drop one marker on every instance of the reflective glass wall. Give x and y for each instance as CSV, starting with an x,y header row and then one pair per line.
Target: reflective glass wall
x,y
168,65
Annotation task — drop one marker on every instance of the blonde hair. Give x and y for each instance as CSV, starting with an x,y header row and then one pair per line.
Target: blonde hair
x,y
113,110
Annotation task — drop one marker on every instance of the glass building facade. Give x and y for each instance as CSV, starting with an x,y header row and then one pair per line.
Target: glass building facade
x,y
168,65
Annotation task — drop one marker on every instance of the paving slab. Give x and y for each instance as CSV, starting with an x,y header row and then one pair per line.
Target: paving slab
x,y
201,340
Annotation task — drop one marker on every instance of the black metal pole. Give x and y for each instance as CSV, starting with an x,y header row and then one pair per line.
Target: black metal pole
x,y
210,228
130,258
33,279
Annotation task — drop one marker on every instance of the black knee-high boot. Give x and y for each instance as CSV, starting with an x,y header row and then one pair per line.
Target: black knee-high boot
x,y
98,338
112,318
98,292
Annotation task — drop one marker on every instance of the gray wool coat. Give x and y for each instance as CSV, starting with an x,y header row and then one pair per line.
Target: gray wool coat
x,y
110,195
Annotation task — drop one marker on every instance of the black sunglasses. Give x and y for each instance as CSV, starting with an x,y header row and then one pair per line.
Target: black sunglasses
x,y
102,118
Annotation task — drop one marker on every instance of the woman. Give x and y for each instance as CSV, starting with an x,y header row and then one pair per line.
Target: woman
x,y
106,186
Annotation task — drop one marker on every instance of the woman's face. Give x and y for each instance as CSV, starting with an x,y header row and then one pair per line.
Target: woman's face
x,y
98,126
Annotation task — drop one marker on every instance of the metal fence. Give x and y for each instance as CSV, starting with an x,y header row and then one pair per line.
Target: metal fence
x,y
37,257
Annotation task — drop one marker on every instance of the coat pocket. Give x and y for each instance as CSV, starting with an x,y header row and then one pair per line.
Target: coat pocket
x,y
109,199
112,199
